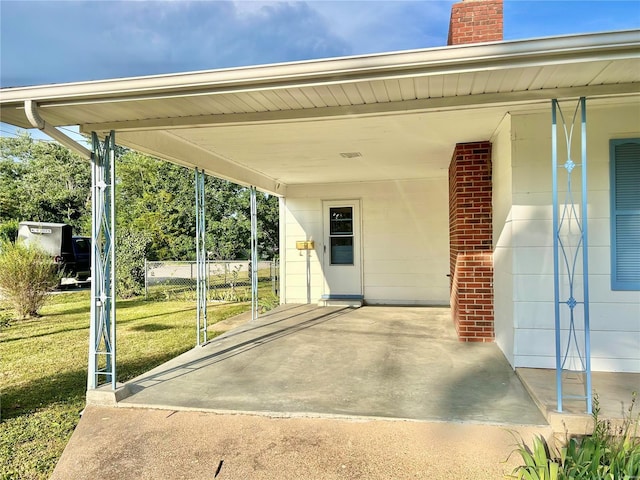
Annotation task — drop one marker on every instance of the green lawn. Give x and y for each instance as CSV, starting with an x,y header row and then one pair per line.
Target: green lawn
x,y
43,369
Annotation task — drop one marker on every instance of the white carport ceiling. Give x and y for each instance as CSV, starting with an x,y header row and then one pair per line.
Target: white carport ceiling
x,y
285,124
398,146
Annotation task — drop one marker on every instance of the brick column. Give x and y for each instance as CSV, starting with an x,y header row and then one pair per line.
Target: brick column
x,y
470,241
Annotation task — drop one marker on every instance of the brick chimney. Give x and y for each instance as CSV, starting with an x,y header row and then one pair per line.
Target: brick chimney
x,y
475,21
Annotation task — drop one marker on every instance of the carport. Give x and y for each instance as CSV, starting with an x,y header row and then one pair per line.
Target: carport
x,y
317,131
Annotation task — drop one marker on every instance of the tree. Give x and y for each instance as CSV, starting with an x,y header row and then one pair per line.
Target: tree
x,y
228,212
158,198
268,225
131,251
11,173
45,182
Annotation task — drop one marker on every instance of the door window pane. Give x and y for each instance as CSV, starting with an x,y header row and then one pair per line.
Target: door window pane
x,y
341,221
341,250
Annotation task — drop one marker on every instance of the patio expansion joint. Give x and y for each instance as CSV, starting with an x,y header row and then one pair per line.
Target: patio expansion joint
x,y
318,415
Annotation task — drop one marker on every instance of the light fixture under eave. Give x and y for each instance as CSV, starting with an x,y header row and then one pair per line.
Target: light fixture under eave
x,y
350,154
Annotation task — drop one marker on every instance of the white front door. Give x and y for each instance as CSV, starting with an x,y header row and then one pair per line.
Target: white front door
x,y
342,257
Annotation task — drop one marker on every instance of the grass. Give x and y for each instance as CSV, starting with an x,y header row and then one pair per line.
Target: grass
x,y
43,369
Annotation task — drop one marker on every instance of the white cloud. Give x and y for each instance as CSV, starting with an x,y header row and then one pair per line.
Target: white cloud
x,y
383,26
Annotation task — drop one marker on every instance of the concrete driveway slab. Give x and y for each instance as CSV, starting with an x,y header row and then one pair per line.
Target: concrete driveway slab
x,y
119,443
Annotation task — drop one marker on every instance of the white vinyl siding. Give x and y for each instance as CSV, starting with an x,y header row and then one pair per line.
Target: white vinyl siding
x,y
405,240
614,314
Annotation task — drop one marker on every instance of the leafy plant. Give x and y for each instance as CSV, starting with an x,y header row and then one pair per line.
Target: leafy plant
x,y
539,463
131,250
5,317
9,230
232,293
268,302
608,453
27,275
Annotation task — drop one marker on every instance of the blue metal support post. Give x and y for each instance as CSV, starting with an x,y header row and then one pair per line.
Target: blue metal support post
x,y
201,262
254,254
570,252
102,330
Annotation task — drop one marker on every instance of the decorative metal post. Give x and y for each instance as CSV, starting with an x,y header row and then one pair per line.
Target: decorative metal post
x,y
102,330
254,254
570,252
201,262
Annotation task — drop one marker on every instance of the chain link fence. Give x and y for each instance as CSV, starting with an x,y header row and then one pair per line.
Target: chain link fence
x,y
228,280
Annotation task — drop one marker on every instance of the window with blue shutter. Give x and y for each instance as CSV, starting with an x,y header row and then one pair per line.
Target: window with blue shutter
x,y
625,214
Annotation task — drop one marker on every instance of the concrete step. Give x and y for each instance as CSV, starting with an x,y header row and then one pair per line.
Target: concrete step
x,y
333,300
614,390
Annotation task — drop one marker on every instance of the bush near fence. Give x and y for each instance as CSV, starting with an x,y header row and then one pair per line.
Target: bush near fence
x,y
228,280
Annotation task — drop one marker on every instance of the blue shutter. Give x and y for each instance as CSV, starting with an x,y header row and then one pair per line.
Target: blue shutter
x,y
625,214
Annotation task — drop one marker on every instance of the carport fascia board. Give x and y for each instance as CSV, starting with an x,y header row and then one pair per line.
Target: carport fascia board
x,y
433,61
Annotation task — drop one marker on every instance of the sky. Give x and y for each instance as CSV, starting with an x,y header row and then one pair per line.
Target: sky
x,y
44,42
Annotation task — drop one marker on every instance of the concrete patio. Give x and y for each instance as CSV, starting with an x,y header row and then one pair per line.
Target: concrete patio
x,y
372,362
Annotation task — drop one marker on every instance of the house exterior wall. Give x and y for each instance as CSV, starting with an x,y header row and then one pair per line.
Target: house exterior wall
x,y
615,315
502,247
405,244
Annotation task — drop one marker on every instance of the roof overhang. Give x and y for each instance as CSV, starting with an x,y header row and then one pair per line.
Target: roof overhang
x,y
287,124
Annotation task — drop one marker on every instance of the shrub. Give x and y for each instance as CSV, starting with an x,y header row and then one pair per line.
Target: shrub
x,y
5,317
268,302
606,454
27,274
131,250
9,230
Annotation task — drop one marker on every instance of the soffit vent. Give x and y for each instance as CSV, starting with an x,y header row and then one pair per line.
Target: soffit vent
x,y
350,154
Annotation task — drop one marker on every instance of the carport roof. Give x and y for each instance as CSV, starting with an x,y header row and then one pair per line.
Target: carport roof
x,y
287,124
